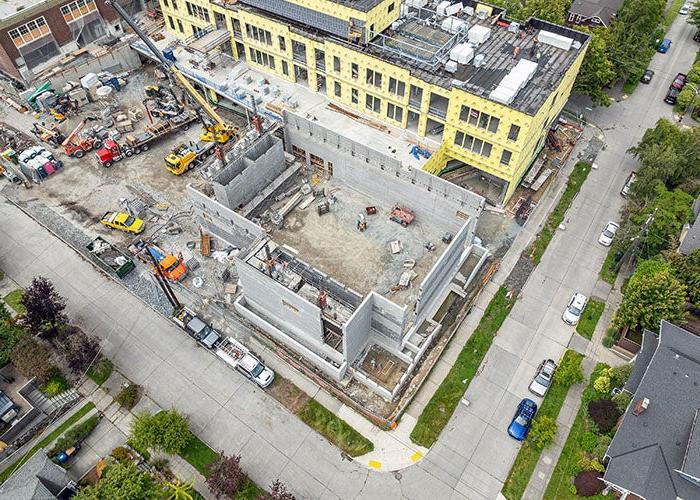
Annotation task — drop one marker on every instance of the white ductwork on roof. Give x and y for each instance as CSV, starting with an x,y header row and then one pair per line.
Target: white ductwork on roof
x,y
514,81
559,41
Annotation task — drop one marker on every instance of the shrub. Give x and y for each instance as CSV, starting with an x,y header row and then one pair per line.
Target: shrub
x,y
100,371
604,413
278,491
602,384
542,432
622,400
162,464
56,383
608,341
569,371
590,463
75,435
588,483
601,447
121,454
31,358
619,374
166,431
128,395
588,441
226,476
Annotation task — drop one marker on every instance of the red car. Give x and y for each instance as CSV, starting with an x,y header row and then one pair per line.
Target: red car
x,y
679,81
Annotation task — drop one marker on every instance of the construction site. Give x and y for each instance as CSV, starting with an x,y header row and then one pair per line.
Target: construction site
x,y
293,222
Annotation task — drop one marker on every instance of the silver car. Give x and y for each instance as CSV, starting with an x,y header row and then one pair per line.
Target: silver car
x,y
545,373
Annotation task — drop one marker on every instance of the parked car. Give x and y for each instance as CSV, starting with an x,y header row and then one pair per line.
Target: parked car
x,y
684,10
696,36
574,309
608,233
679,81
647,76
664,45
123,222
540,384
522,420
628,184
671,95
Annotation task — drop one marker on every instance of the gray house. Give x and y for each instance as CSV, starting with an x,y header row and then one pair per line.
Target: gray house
x,y
593,13
38,479
690,236
656,451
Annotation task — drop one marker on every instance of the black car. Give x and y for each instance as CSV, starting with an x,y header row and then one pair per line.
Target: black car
x,y
696,36
647,76
672,95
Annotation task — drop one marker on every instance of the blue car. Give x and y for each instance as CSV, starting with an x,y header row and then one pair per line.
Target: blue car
x,y
664,46
522,420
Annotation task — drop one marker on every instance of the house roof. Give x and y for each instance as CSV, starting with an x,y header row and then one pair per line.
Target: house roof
x,y
38,479
691,241
604,9
649,449
641,361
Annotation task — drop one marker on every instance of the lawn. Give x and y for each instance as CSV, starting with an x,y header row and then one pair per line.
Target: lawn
x,y
199,455
607,270
443,403
526,461
335,429
560,484
100,371
13,299
589,318
47,440
573,186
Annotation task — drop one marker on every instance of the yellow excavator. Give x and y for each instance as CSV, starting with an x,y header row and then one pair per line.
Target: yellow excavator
x,y
215,128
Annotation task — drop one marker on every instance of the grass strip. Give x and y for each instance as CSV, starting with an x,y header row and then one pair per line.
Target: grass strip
x,y
573,186
199,455
335,429
100,371
559,487
14,300
443,403
47,440
589,318
607,270
526,460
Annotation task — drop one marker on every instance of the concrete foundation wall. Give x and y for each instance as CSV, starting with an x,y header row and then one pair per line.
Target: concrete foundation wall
x,y
444,269
356,330
388,320
223,222
384,178
242,180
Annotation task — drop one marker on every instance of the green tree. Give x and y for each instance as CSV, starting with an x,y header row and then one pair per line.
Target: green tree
x,y
542,432
44,307
122,480
569,371
694,15
31,358
687,269
166,431
597,70
652,294
549,10
10,335
669,211
179,489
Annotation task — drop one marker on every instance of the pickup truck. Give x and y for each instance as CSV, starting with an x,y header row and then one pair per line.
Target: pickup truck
x,y
202,332
240,358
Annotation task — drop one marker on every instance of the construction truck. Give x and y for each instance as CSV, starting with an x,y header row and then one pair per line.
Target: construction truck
x,y
143,141
215,128
185,157
239,357
201,331
48,134
112,152
75,145
172,267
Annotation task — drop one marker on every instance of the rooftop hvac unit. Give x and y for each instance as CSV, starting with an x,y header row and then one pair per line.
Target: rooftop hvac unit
x,y
453,25
468,10
514,27
451,66
559,41
479,34
479,60
482,14
453,9
416,3
462,53
441,8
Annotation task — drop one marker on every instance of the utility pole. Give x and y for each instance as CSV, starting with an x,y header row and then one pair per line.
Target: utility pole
x,y
636,241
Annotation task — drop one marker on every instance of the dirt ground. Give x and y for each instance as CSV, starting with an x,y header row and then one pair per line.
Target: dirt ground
x,y
288,394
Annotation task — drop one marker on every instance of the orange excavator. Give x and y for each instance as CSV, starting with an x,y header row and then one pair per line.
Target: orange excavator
x,y
75,145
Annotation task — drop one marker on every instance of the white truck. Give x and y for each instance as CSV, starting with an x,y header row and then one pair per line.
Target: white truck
x,y
240,358
188,320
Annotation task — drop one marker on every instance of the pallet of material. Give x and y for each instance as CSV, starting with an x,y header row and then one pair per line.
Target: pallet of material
x,y
534,171
541,179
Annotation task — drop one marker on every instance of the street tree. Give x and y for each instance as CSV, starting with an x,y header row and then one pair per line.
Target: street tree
x,y
44,308
550,10
31,358
122,480
226,476
694,15
597,70
79,349
652,294
667,214
278,491
687,269
166,431
569,371
542,432
10,335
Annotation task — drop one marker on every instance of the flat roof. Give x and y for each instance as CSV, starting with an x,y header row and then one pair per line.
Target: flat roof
x,y
361,5
10,8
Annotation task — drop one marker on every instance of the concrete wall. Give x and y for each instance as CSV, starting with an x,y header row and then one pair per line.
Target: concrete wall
x,y
241,180
381,177
356,330
223,222
388,320
444,269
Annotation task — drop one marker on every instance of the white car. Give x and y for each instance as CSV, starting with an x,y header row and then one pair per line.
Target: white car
x,y
684,10
574,309
540,384
608,234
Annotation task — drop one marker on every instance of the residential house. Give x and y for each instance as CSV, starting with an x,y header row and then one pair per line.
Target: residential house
x,y
38,479
593,13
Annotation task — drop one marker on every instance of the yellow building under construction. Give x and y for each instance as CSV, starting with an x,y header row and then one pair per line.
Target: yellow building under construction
x,y
486,89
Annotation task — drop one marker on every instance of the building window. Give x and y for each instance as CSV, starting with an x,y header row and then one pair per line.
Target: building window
x,y
373,103
505,157
374,78
338,89
391,7
336,64
513,133
353,96
197,11
258,34
282,42
30,31
397,87
473,144
75,10
174,4
165,2
354,71
479,119
394,112
172,23
262,58
285,68
179,26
